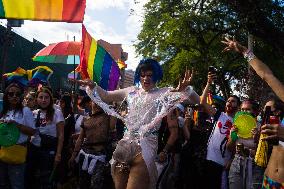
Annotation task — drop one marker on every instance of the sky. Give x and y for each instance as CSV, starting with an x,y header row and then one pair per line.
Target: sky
x,y
110,20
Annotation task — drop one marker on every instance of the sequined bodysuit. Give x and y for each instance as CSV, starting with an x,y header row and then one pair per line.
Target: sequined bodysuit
x,y
145,112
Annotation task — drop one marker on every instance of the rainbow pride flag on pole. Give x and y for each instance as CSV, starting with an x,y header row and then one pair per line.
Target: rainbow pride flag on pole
x,y
97,64
46,10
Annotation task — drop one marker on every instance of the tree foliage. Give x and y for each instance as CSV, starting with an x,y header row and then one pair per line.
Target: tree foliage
x,y
186,33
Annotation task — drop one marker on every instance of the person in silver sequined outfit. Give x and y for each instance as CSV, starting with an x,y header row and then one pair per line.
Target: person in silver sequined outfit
x,y
133,163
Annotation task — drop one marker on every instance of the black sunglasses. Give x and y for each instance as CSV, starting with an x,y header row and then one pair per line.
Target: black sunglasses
x,y
16,94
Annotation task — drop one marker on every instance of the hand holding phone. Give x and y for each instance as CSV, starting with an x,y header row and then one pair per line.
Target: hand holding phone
x,y
211,74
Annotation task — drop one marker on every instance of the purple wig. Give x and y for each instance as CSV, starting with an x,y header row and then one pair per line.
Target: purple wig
x,y
148,65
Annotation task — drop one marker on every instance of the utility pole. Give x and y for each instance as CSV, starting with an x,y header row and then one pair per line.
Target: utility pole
x,y
74,68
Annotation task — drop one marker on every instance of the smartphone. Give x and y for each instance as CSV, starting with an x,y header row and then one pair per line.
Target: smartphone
x,y
274,119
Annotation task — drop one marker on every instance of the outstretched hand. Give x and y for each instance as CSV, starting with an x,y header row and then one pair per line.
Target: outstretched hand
x,y
233,45
183,83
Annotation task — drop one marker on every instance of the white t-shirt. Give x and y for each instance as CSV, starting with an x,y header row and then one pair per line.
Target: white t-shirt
x,y
217,143
55,106
26,118
46,128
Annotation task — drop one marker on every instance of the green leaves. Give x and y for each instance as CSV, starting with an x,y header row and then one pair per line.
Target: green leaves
x,y
183,33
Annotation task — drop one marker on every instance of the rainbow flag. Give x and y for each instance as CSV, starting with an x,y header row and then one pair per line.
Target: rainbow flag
x,y
40,74
19,76
97,64
46,10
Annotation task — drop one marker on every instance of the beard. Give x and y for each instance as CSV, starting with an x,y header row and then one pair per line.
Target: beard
x,y
231,109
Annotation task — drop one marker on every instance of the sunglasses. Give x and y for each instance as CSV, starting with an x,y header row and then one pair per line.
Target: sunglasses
x,y
16,94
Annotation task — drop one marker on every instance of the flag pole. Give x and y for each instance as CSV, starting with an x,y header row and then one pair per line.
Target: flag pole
x,y
74,95
74,68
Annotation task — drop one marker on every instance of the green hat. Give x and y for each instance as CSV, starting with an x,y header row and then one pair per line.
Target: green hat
x,y
9,134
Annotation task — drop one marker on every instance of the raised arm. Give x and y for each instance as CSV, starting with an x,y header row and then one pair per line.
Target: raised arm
x,y
266,74
260,68
113,96
106,96
203,101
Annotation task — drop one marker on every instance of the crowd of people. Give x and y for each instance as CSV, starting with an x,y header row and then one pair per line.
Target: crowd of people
x,y
142,136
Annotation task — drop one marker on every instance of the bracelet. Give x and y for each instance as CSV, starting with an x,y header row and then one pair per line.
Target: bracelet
x,y
248,55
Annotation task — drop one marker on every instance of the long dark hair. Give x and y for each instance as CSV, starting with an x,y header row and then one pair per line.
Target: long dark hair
x,y
50,109
68,106
6,104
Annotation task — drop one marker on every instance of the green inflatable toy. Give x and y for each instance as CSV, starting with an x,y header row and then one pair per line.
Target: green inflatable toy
x,y
9,134
244,122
